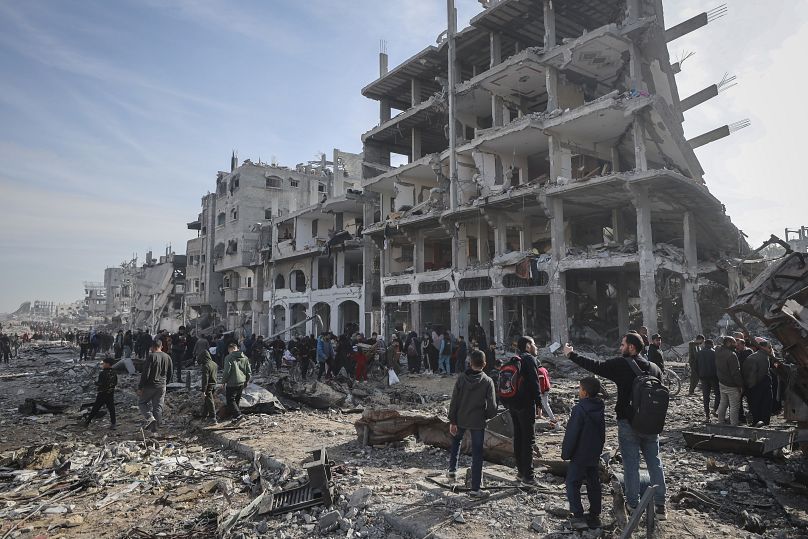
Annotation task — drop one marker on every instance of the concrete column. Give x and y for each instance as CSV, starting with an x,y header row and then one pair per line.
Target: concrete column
x,y
552,88
645,246
464,314
462,247
415,317
384,111
558,280
456,322
482,242
500,236
415,147
622,303
560,160
615,159
418,252
690,302
499,320
638,134
497,104
550,42
415,92
339,276
618,225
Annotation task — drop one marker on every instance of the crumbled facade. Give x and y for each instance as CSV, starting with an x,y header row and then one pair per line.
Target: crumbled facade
x,y
579,208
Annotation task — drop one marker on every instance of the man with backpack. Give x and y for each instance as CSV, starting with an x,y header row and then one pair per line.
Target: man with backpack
x,y
518,389
642,403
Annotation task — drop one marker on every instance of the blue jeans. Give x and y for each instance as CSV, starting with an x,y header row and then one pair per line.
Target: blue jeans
x,y
477,437
578,474
444,364
631,444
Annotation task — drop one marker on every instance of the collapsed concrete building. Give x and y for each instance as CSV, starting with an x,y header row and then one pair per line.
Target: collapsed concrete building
x,y
158,293
255,263
570,203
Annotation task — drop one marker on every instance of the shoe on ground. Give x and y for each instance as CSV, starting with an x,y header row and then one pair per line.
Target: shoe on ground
x,y
237,419
150,425
578,522
451,475
529,481
479,494
113,427
594,522
661,512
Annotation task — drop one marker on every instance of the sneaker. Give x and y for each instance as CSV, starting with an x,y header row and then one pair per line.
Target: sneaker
x,y
479,494
593,521
451,475
529,481
113,427
578,522
237,419
150,425
661,512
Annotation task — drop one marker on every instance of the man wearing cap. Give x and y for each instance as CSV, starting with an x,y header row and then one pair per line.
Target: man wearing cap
x,y
152,387
758,383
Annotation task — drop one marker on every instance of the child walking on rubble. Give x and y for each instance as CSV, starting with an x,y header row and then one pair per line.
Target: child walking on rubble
x,y
473,402
107,380
582,446
209,370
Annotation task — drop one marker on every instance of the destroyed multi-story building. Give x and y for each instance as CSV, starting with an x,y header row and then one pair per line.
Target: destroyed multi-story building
x,y
95,298
569,204
118,285
798,239
246,267
158,293
314,264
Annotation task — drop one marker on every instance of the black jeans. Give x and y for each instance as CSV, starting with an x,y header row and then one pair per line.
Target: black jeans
x,y
103,399
233,395
208,402
524,436
760,401
577,475
708,385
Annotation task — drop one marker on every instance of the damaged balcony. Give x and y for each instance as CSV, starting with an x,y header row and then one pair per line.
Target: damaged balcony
x,y
427,119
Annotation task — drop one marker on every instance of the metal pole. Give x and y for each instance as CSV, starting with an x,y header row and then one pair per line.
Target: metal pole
x,y
450,36
153,321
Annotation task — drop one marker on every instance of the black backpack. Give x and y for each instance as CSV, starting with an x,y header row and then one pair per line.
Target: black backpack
x,y
649,401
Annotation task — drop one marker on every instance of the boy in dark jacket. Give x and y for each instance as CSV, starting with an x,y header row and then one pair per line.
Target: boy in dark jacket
x,y
708,374
473,402
209,369
107,380
582,446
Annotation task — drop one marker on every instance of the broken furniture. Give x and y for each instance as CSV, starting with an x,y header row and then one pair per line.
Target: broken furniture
x,y
319,490
742,440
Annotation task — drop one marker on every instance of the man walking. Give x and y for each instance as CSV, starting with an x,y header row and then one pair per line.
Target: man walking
x,y
462,354
621,371
693,348
237,373
152,387
730,381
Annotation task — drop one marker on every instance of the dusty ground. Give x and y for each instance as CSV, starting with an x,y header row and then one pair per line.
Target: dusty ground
x,y
406,500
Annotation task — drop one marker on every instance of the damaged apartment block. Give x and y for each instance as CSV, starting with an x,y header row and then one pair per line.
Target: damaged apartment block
x,y
578,207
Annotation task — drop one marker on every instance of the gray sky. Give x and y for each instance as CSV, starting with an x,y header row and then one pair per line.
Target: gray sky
x,y
115,116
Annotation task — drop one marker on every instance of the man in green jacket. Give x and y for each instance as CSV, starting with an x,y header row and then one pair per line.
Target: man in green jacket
x,y
237,373
209,369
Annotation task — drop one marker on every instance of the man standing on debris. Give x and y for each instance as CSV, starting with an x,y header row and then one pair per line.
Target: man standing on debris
x,y
758,382
743,352
5,348
730,381
693,348
237,373
209,369
631,442
178,343
107,380
709,378
524,407
473,403
462,354
445,354
152,387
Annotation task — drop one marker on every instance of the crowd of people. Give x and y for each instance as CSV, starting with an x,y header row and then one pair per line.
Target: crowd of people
x,y
731,370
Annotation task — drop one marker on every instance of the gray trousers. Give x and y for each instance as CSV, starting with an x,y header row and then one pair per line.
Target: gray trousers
x,y
151,403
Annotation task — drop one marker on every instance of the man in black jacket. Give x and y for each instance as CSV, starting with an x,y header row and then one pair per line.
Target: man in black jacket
x,y
709,378
523,409
631,442
655,351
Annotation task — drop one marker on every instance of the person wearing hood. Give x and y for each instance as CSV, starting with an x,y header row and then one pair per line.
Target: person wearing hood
x,y
237,373
473,403
582,446
209,371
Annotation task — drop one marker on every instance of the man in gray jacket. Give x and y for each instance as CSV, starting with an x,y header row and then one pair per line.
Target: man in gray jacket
x,y
730,381
473,402
152,387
